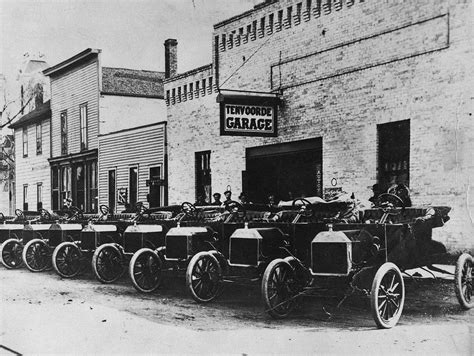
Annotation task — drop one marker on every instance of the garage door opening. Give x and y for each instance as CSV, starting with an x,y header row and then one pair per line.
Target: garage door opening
x,y
288,170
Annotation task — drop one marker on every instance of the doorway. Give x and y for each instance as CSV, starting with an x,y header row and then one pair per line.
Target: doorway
x,y
288,170
154,197
393,154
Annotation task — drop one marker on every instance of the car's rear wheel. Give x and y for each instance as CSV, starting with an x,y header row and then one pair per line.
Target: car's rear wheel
x,y
107,263
387,296
204,277
37,255
67,260
10,253
463,281
145,270
279,290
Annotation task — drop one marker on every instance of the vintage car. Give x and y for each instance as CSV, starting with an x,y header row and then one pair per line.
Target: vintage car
x,y
45,236
68,256
146,229
368,255
196,231
17,232
249,241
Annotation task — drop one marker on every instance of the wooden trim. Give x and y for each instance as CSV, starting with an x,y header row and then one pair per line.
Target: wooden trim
x,y
71,62
134,128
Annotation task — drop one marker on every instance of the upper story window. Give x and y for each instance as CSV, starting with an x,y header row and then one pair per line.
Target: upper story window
x,y
63,132
25,141
83,119
39,139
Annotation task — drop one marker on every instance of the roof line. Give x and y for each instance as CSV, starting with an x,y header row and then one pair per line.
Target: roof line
x,y
105,92
244,14
71,61
188,73
134,128
139,70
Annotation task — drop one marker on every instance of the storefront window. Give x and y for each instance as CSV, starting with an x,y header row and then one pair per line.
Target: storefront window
x,y
55,188
65,183
79,180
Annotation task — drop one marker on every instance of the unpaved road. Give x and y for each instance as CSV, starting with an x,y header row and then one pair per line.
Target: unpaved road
x,y
42,313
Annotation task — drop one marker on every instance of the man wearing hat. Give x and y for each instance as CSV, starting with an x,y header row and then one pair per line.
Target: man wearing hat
x,y
228,197
217,199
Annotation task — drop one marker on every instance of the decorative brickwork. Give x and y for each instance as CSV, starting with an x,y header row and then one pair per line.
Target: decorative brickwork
x,y
345,68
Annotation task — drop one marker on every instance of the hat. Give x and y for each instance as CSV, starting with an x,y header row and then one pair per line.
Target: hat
x,y
216,194
227,191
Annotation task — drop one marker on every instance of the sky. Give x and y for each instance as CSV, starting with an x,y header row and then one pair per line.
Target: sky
x,y
130,33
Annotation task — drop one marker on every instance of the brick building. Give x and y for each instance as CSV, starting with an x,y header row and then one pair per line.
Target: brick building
x,y
358,92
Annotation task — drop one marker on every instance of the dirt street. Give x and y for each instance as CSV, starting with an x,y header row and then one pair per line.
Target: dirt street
x,y
42,313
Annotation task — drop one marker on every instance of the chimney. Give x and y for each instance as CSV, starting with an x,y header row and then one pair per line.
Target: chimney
x,y
171,60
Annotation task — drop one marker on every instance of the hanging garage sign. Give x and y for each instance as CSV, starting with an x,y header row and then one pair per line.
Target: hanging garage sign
x,y
248,115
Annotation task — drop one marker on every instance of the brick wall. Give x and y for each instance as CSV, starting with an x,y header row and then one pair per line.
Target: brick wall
x,y
341,71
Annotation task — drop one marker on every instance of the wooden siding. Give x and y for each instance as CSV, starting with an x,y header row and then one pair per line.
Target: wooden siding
x,y
68,91
33,169
143,147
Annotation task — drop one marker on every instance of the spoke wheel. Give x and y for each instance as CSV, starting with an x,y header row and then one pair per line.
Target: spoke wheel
x,y
463,281
204,277
145,270
67,260
10,253
279,289
107,263
387,296
37,255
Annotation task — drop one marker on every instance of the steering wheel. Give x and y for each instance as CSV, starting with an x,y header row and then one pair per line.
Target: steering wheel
x,y
188,208
45,214
389,198
19,213
233,206
305,209
104,210
75,212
